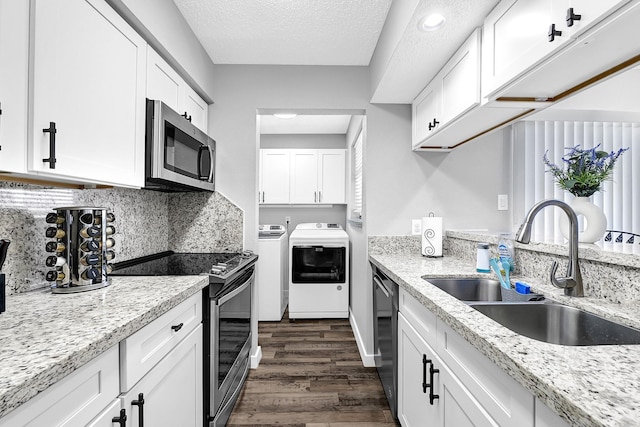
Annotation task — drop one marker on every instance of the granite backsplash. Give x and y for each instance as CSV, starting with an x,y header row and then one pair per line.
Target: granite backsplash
x,y
147,222
610,275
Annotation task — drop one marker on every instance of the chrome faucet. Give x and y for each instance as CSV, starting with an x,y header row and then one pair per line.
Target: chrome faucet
x,y
572,283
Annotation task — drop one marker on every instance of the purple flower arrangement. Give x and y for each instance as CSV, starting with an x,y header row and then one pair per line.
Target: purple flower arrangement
x,y
584,170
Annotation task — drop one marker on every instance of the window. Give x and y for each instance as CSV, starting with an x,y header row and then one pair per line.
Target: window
x,y
356,151
620,196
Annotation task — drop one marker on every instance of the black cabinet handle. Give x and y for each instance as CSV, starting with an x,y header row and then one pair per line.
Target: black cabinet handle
x,y
572,17
140,404
177,327
425,362
186,116
553,32
122,419
432,371
52,145
433,124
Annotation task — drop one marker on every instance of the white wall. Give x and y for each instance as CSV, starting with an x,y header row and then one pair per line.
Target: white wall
x,y
461,186
303,141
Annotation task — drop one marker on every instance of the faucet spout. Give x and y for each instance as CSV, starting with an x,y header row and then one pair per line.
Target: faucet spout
x,y
572,282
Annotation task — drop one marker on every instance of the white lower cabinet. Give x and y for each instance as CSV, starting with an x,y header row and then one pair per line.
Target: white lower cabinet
x,y
428,392
434,360
155,375
170,394
74,400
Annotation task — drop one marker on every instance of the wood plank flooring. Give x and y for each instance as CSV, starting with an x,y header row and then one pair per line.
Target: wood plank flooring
x,y
311,375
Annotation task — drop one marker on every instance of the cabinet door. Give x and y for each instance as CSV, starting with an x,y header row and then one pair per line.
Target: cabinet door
x,y
332,176
274,176
195,107
426,112
414,408
516,38
304,176
461,80
14,57
163,83
89,70
172,390
74,400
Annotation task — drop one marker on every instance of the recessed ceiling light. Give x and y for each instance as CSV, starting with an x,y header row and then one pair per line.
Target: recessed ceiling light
x,y
285,115
432,22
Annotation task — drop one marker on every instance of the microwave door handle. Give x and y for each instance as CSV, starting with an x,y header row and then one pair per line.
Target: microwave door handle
x,y
211,158
201,177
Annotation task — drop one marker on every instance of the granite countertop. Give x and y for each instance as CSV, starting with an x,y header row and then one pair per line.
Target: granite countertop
x,y
47,336
587,386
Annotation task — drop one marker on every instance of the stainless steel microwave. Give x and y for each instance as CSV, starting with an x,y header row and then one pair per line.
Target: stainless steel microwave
x,y
179,156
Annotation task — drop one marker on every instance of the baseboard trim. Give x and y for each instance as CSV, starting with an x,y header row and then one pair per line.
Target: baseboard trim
x,y
256,357
367,359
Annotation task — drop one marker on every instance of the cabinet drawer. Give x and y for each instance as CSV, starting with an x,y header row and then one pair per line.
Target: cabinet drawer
x,y
144,349
418,316
73,401
501,396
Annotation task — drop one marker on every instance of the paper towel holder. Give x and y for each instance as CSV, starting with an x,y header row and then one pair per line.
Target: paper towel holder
x,y
432,236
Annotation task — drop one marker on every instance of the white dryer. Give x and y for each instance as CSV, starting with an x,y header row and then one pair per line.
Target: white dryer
x,y
318,271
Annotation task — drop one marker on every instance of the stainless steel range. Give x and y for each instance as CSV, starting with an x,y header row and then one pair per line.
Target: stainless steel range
x,y
226,318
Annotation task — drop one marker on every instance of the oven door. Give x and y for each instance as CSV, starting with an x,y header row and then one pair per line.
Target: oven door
x,y
230,343
318,264
177,152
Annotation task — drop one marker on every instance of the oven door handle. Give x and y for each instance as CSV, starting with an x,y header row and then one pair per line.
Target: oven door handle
x,y
236,291
330,245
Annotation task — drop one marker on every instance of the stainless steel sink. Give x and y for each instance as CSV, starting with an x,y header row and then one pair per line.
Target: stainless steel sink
x,y
468,289
559,324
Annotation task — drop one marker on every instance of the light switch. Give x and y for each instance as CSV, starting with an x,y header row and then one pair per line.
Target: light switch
x,y
503,202
416,227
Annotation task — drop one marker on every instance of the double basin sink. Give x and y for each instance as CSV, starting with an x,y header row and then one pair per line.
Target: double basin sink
x,y
540,320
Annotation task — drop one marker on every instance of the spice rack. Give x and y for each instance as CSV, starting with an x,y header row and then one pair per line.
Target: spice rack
x,y
80,248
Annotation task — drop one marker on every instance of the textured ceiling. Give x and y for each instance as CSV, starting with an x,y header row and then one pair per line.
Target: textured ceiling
x,y
419,55
295,32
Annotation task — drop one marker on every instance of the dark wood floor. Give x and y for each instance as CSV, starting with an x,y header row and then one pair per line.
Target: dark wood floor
x,y
311,375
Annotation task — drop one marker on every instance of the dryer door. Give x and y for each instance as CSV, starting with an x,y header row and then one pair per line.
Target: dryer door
x,y
318,264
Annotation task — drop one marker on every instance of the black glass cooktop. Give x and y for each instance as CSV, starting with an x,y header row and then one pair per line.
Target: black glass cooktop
x,y
172,264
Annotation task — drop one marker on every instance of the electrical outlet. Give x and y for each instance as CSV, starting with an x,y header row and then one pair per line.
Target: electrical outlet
x,y
503,202
416,227
287,219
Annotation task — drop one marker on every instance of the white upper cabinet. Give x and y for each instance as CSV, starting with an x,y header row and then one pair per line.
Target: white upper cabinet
x,y
304,176
166,85
536,50
89,70
318,176
461,80
14,57
274,176
449,111
332,176
517,34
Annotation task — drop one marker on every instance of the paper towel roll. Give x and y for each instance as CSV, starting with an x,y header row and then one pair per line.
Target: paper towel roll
x,y
432,236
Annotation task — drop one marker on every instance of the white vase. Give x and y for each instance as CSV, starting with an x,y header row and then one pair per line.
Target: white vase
x,y
594,221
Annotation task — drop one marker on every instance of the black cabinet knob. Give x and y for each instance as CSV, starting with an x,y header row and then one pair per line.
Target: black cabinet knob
x,y
571,16
121,419
553,32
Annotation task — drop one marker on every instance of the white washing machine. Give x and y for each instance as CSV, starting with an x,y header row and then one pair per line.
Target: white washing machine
x,y
318,271
273,278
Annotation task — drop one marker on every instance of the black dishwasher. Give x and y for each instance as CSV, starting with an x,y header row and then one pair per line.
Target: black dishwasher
x,y
385,327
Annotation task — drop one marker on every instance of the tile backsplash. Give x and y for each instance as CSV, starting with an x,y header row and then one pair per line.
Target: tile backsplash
x,y
147,222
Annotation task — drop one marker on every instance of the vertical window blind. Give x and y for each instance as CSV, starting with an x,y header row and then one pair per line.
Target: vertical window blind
x,y
619,197
357,176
